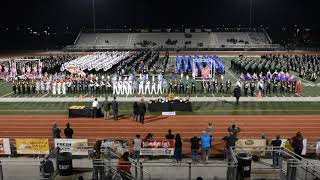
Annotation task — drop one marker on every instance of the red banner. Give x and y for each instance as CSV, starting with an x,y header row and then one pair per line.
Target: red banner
x,y
157,147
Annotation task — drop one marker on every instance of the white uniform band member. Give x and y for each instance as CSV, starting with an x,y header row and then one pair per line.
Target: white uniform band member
x,y
147,87
54,87
59,88
64,88
114,87
141,87
153,87
159,87
129,88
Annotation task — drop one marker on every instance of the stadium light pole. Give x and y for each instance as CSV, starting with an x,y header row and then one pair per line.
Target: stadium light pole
x,y
94,17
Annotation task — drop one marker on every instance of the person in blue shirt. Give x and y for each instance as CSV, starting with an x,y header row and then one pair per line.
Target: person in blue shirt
x,y
205,146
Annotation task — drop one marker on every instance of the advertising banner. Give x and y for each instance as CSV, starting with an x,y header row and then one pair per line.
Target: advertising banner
x,y
32,146
75,146
157,147
5,146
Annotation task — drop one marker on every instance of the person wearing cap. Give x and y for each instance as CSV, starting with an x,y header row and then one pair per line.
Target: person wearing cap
x,y
205,146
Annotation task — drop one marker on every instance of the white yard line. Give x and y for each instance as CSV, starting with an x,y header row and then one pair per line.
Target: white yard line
x,y
7,94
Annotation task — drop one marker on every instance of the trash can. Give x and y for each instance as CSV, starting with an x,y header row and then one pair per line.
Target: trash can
x,y
64,162
244,164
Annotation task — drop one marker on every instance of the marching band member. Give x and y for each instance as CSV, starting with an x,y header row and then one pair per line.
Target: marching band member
x,y
114,87
159,87
42,86
120,90
153,87
54,87
48,85
97,86
69,84
38,87
91,85
108,85
103,86
64,88
124,86
59,88
129,88
141,91
147,87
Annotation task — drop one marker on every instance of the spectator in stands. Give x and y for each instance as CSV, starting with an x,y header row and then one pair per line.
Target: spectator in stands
x,y
169,135
205,146
178,149
297,143
106,108
124,166
68,132
276,162
194,148
142,111
135,111
234,129
136,147
55,131
95,105
115,108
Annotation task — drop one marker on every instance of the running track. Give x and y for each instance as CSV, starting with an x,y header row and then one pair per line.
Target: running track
x,y
188,126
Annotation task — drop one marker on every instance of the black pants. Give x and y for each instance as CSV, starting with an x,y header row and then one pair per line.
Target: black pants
x,y
115,114
142,118
94,112
193,89
237,98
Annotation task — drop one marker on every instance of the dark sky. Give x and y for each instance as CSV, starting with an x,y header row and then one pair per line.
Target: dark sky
x,y
156,13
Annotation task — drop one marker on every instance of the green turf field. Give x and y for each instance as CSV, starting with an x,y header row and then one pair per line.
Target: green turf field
x,y
201,108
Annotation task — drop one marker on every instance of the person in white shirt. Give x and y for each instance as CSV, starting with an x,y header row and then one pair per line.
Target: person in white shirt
x,y
159,87
153,87
48,87
95,106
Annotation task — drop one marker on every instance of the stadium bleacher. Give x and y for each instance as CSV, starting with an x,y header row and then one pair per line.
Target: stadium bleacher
x,y
172,40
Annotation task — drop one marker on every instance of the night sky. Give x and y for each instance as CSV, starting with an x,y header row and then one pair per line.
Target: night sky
x,y
155,13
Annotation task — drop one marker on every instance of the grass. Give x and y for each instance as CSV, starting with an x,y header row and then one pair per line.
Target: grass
x,y
199,108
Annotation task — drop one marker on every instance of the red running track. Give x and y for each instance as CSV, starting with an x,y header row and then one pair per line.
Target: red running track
x,y
39,126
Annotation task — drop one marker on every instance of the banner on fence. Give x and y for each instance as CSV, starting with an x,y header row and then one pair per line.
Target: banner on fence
x,y
119,146
74,146
255,146
32,146
157,147
5,146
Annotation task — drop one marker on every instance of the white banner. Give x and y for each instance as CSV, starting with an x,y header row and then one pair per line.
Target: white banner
x,y
5,146
170,113
75,146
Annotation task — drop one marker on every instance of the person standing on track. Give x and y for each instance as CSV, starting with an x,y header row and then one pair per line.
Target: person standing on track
x,y
115,108
106,108
142,111
55,131
95,105
205,146
68,132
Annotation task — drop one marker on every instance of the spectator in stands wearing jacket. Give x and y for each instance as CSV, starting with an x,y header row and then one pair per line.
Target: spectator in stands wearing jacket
x,y
297,143
195,148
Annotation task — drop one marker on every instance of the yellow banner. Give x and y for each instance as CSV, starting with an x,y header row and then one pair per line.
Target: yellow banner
x,y
32,146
